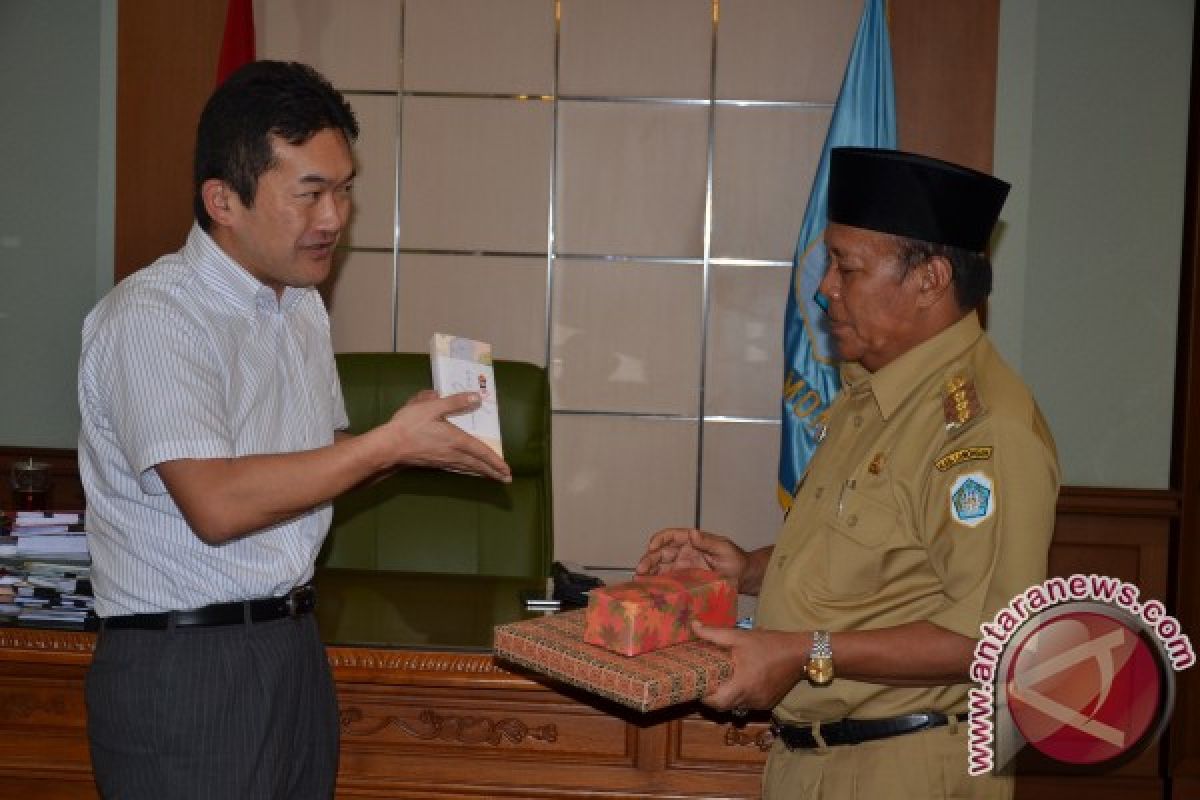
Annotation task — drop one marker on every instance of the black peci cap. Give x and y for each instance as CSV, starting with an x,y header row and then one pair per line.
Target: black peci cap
x,y
914,196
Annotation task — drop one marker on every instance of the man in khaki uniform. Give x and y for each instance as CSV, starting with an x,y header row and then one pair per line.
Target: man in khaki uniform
x,y
928,505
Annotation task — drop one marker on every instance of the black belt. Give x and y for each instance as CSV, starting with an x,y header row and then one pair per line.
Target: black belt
x,y
857,731
301,600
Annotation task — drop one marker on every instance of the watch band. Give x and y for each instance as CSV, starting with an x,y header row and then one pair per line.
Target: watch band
x,y
820,659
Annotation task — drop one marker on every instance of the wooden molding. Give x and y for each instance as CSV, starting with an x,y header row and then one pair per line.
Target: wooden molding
x,y
32,644
464,729
1163,503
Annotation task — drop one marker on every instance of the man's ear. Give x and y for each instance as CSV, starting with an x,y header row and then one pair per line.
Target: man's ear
x,y
219,200
936,278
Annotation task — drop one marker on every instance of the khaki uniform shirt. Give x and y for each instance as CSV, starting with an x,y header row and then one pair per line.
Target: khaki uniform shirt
x,y
932,497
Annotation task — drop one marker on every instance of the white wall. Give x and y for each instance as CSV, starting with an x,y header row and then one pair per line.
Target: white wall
x,y
1091,128
57,159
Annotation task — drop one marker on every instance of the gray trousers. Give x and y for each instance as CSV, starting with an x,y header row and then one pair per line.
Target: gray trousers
x,y
223,713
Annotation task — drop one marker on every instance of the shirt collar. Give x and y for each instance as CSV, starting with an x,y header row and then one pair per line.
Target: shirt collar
x,y
233,281
894,383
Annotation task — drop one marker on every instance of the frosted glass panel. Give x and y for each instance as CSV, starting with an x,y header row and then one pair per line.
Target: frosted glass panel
x,y
613,349
497,300
784,49
632,47
739,499
617,481
631,179
764,161
353,43
493,46
359,298
744,376
373,224
475,174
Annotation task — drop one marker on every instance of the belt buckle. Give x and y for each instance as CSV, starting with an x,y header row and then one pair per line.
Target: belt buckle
x,y
299,600
292,602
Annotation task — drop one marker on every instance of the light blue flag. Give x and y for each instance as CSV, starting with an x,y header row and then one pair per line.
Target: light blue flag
x,y
864,116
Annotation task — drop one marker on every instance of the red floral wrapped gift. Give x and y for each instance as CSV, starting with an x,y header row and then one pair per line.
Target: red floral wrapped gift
x,y
554,646
657,611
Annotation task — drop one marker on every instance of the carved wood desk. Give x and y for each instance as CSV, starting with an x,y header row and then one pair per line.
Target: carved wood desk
x,y
425,711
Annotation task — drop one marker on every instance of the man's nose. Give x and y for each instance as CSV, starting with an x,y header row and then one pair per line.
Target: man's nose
x,y
827,285
333,212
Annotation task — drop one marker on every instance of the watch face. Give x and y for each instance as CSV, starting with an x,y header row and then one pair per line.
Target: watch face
x,y
820,670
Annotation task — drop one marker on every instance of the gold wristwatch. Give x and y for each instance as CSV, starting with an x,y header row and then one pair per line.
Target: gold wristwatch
x,y
820,660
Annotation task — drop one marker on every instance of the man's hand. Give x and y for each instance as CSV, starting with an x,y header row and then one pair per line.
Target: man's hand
x,y
766,665
419,436
689,548
224,498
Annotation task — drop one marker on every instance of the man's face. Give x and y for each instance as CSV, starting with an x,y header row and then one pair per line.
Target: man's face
x,y
300,207
873,302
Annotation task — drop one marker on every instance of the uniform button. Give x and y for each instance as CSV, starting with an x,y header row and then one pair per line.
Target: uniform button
x,y
782,559
852,520
858,421
820,491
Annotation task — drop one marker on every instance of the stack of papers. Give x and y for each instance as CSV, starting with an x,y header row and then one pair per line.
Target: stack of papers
x,y
44,572
47,533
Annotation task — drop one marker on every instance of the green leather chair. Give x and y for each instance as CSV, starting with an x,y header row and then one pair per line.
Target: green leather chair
x,y
420,520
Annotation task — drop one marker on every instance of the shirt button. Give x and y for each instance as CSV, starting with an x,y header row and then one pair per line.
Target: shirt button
x,y
820,491
858,421
852,520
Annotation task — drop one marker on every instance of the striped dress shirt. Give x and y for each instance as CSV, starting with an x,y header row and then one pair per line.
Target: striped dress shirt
x,y
193,357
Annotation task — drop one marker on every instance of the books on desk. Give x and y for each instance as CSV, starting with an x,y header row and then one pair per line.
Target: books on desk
x,y
45,572
38,533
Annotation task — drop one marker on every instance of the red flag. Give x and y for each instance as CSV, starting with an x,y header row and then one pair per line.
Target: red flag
x,y
237,46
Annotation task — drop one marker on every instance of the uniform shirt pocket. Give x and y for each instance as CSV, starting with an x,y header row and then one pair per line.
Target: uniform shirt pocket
x,y
856,537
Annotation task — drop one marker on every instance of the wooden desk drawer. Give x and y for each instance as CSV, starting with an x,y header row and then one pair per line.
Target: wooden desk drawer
x,y
699,741
27,706
542,726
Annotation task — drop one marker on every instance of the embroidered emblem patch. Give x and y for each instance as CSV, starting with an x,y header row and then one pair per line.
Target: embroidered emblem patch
x,y
965,454
972,499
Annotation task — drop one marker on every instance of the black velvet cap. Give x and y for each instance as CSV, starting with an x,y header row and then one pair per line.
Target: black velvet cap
x,y
914,196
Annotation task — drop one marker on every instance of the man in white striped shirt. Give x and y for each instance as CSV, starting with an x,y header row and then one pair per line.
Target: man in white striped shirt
x,y
210,450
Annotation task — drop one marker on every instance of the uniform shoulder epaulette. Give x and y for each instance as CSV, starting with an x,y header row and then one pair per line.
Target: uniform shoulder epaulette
x,y
960,403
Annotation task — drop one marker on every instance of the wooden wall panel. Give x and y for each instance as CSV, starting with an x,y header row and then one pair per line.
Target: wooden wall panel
x,y
944,56
1124,534
166,68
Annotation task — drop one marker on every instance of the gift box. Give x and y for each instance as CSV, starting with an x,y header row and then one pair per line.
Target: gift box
x,y
554,646
657,611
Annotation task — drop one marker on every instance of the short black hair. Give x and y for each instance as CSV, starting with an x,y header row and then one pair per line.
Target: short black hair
x,y
972,272
262,99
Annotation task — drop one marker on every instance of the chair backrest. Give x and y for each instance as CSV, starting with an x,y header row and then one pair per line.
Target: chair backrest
x,y
432,521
